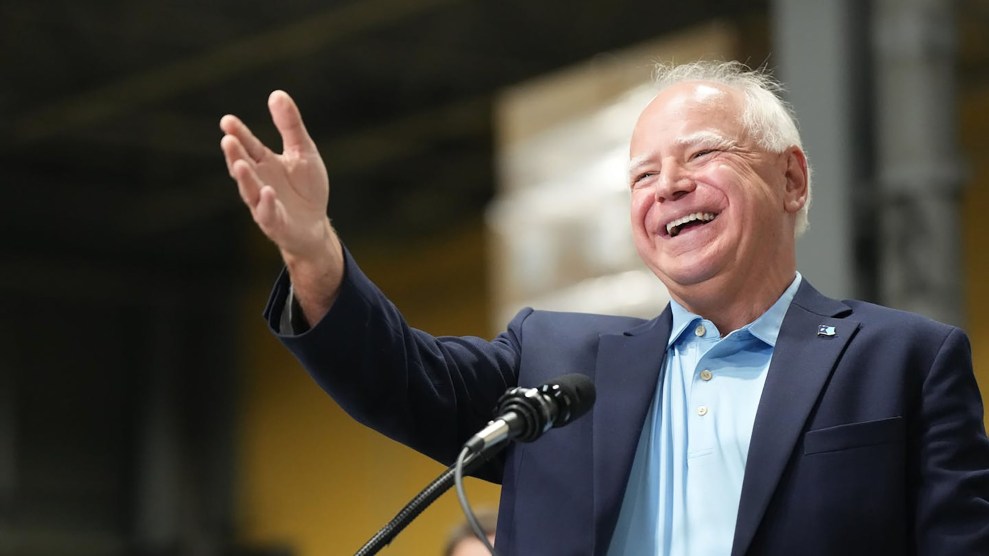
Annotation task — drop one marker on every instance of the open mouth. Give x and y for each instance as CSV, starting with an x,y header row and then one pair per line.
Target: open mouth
x,y
689,221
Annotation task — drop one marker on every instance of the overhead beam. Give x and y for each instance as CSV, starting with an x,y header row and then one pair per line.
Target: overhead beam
x,y
229,60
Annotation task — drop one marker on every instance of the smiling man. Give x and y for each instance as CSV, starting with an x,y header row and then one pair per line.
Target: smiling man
x,y
753,416
714,204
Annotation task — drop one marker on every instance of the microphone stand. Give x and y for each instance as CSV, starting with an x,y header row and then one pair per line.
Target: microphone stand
x,y
526,413
422,500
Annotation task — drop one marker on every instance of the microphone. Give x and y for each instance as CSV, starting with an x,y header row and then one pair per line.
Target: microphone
x,y
526,413
523,413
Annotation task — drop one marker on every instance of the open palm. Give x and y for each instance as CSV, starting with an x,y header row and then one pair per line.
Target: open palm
x,y
286,193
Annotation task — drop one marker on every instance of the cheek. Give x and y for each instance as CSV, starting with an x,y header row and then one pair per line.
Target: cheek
x,y
721,177
757,188
742,190
639,207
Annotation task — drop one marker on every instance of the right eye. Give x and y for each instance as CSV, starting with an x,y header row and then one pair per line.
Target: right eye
x,y
641,178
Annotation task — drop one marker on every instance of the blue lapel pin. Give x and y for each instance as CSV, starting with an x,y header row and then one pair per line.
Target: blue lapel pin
x,y
825,330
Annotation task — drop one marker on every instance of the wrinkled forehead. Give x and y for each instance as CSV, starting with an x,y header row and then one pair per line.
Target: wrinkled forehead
x,y
691,106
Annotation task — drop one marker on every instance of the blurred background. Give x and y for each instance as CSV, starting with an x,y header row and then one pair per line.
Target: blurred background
x,y
475,150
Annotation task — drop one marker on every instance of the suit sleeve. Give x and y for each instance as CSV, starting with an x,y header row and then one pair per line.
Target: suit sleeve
x,y
953,490
430,393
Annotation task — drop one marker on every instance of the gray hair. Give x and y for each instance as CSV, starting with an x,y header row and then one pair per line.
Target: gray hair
x,y
766,116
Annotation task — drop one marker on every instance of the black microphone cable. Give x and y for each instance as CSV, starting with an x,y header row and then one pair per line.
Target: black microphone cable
x,y
458,475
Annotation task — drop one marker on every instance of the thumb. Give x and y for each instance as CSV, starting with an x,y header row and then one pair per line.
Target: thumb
x,y
288,120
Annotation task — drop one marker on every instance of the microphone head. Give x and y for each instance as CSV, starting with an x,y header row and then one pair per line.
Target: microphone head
x,y
529,412
574,395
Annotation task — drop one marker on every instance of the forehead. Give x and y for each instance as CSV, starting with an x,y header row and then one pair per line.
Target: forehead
x,y
691,109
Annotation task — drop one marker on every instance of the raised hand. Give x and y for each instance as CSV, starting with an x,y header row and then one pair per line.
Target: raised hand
x,y
287,195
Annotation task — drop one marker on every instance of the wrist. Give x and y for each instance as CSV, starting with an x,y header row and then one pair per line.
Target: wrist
x,y
316,276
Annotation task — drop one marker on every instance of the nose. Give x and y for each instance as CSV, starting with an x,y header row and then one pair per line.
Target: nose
x,y
673,183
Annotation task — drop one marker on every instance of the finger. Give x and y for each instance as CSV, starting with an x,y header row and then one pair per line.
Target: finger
x,y
233,151
266,213
288,120
248,183
253,146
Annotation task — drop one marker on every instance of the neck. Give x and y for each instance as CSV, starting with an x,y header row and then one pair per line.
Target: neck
x,y
732,306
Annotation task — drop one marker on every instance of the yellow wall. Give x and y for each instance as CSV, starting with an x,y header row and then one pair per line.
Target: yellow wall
x,y
311,478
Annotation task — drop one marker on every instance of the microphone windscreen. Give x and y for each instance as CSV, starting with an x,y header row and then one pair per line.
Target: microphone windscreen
x,y
579,393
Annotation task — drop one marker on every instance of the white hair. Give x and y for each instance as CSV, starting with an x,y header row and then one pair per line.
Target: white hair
x,y
766,116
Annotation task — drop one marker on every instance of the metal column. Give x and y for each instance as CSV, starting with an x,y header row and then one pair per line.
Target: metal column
x,y
814,55
919,169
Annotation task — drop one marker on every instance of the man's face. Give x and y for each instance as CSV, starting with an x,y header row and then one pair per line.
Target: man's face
x,y
709,205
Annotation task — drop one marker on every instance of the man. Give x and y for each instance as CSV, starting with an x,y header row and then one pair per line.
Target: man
x,y
753,416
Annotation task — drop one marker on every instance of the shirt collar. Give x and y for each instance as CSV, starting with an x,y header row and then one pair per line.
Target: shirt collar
x,y
766,327
682,318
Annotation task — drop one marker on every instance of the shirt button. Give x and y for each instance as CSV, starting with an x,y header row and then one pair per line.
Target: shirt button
x,y
699,331
702,410
706,374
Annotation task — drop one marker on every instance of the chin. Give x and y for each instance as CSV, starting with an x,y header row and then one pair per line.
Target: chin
x,y
692,274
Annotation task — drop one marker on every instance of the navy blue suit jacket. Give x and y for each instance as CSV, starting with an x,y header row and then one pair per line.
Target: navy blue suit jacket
x,y
866,442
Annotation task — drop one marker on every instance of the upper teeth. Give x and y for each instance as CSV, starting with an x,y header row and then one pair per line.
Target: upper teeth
x,y
672,227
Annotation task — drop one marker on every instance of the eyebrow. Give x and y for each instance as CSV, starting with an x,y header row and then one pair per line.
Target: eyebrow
x,y
634,163
702,137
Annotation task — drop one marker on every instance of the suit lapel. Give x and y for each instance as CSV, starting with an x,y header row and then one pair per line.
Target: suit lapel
x,y
803,359
627,370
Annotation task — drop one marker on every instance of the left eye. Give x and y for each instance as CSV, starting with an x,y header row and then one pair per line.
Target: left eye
x,y
701,153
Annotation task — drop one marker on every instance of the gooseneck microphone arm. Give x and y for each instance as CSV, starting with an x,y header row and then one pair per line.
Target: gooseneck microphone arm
x,y
416,506
522,414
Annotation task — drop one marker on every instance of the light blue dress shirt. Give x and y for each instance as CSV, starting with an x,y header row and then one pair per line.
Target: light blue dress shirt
x,y
686,479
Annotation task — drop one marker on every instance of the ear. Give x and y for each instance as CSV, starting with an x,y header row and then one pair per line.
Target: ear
x,y
797,177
